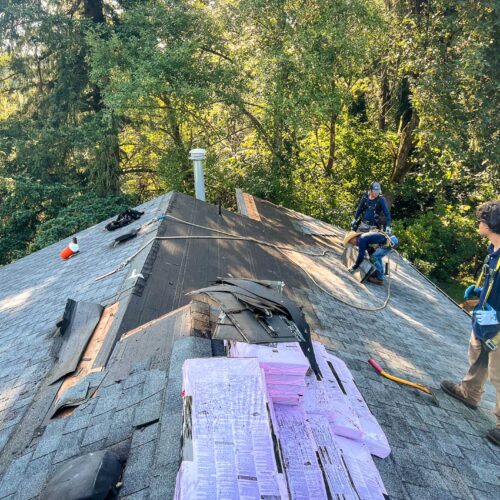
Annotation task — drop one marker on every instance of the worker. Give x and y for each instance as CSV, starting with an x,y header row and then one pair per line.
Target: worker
x,y
370,209
378,245
484,354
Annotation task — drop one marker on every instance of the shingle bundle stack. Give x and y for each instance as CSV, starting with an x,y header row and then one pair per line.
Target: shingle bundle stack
x,y
373,435
227,441
284,366
327,397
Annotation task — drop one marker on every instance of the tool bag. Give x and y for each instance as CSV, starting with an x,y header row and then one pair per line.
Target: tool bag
x,y
123,219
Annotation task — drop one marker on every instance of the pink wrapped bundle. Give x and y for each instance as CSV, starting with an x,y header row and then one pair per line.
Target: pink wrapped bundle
x,y
296,380
323,397
374,437
232,448
326,397
279,358
299,450
284,366
362,469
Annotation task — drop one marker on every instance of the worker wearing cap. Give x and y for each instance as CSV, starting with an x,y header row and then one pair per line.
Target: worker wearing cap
x,y
484,350
378,245
371,205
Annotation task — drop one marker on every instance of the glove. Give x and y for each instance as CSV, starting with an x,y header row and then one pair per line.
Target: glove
x,y
485,318
352,269
353,224
472,291
388,230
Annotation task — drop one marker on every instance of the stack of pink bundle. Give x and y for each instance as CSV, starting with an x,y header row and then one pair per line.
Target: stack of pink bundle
x,y
373,435
284,366
228,447
362,469
327,397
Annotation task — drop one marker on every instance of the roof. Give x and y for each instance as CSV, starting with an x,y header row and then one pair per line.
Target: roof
x,y
135,378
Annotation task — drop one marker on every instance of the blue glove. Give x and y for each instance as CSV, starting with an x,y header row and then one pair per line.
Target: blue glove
x,y
472,291
388,230
352,269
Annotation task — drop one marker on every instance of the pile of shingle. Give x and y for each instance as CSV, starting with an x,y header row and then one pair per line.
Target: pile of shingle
x,y
284,366
227,439
236,407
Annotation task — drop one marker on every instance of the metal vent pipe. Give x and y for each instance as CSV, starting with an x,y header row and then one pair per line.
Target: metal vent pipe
x,y
198,156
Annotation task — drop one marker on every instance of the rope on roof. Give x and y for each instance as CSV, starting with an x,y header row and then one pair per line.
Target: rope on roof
x,y
280,248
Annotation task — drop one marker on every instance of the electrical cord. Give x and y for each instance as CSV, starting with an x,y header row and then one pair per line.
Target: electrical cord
x,y
280,248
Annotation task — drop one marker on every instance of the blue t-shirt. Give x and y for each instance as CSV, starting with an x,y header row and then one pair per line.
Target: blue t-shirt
x,y
485,332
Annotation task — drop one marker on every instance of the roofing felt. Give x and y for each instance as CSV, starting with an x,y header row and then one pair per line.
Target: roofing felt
x,y
437,451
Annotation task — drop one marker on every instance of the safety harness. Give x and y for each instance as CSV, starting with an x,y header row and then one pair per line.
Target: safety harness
x,y
493,343
369,204
388,242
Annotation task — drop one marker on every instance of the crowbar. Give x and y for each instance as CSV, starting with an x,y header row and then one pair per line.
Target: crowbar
x,y
420,387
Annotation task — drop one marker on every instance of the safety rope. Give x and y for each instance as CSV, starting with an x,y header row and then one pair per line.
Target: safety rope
x,y
280,248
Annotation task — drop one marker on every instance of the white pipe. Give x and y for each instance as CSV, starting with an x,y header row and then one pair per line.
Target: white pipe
x,y
198,156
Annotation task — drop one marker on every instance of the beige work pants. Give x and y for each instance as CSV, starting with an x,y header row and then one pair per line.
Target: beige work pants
x,y
482,364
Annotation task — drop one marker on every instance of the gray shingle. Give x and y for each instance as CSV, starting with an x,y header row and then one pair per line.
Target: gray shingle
x,y
49,442
145,435
427,493
32,486
14,475
148,410
76,422
69,446
96,432
130,397
140,495
154,382
138,469
39,465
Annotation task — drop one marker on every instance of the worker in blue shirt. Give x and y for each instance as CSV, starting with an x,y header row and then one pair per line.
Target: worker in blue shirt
x,y
370,208
484,354
378,245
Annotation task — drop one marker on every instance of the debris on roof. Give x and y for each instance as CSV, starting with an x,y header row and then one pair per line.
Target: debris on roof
x,y
124,396
78,325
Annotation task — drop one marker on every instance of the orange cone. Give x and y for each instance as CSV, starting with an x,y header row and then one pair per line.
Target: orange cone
x,y
70,250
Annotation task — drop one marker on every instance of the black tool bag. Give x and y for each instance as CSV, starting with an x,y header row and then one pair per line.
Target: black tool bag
x,y
125,218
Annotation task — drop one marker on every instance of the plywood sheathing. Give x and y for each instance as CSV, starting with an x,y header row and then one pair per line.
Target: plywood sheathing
x,y
246,205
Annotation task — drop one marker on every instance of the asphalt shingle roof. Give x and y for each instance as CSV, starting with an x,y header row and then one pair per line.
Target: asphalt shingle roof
x,y
438,452
33,294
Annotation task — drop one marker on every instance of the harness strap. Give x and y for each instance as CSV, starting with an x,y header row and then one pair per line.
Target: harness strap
x,y
493,276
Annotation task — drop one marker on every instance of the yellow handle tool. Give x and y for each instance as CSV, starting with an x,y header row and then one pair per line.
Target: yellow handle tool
x,y
420,387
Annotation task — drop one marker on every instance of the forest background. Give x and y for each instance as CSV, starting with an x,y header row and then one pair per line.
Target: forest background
x,y
303,103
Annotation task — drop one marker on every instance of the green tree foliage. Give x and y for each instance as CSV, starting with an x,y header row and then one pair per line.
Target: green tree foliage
x,y
303,103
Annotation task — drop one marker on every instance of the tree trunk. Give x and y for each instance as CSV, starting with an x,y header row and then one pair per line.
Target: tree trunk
x,y
384,99
108,161
332,145
176,135
93,10
400,165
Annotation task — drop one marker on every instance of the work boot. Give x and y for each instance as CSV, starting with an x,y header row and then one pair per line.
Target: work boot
x,y
375,280
453,390
494,436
